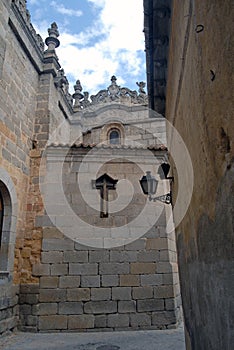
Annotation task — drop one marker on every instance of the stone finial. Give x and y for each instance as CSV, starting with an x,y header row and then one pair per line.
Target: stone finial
x,y
77,96
113,89
52,40
77,87
141,86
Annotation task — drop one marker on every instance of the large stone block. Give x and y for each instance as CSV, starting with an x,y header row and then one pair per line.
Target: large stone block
x,y
41,270
156,243
90,281
129,280
149,305
99,256
52,295
76,257
49,282
162,292
148,256
140,320
83,269
81,322
121,293
70,308
57,244
163,318
78,294
53,322
45,309
142,292
110,280
143,268
152,280
100,307
100,293
113,268
126,306
118,321
100,321
123,256
52,257
69,281
59,269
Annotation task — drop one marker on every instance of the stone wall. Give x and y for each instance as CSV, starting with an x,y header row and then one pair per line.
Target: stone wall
x,y
200,106
85,287
25,120
59,283
18,88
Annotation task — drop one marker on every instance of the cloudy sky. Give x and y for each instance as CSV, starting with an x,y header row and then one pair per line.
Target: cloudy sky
x,y
98,38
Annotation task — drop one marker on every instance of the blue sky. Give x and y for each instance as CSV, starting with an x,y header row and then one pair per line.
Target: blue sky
x,y
98,38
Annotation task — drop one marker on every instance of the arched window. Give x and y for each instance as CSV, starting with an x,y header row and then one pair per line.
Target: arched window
x,y
1,217
5,226
114,137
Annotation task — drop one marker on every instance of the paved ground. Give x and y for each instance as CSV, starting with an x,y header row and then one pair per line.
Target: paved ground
x,y
130,340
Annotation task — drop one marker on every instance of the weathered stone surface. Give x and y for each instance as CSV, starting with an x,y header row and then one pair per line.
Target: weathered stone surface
x,y
78,294
142,292
129,280
58,269
52,295
100,307
69,281
49,282
127,306
143,268
150,305
70,308
54,322
83,269
121,293
113,268
116,321
81,322
110,280
52,257
45,309
151,280
90,281
100,293
140,320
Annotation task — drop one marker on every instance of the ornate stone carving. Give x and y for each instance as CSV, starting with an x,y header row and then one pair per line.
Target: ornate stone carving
x,y
113,93
21,6
60,81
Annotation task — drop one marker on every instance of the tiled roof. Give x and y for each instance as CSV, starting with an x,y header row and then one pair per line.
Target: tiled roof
x,y
107,146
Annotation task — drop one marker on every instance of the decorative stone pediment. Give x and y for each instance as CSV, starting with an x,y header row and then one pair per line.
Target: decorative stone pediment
x,y
113,93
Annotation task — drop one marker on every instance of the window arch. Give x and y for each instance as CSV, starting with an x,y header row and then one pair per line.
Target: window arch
x,y
112,134
114,137
8,218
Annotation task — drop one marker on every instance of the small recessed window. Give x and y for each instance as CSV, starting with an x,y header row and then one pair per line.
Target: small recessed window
x,y
114,137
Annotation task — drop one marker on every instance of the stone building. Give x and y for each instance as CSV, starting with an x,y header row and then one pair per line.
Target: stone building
x,y
82,247
190,77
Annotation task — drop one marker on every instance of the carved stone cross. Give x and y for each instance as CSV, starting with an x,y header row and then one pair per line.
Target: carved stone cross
x,y
104,183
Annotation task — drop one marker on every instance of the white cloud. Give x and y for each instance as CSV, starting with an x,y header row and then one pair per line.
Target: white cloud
x,y
60,8
114,44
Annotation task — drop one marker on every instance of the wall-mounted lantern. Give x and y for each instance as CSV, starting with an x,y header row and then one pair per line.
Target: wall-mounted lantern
x,y
149,184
